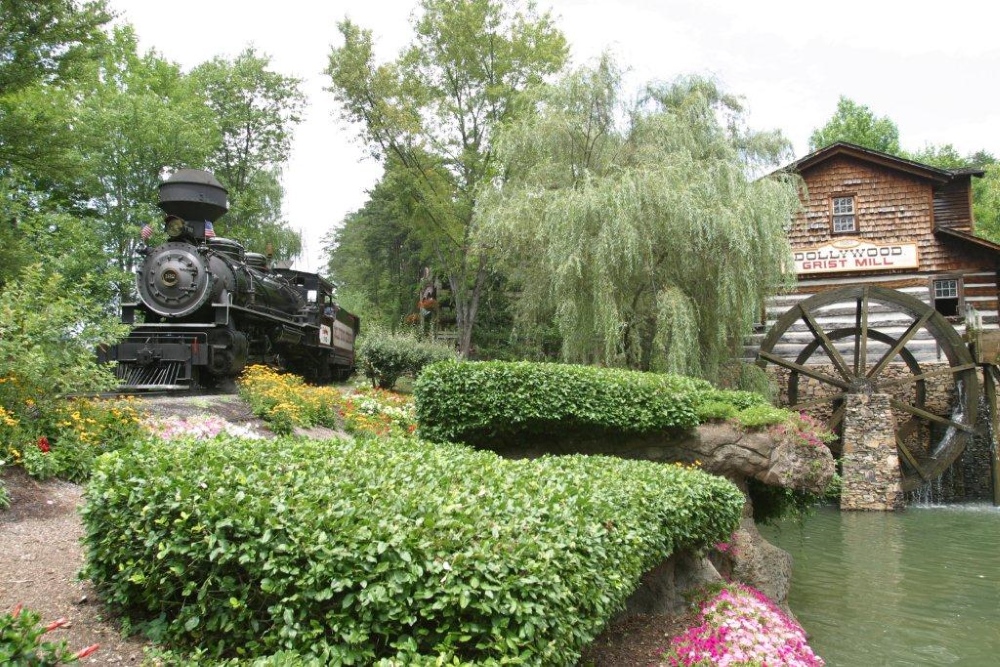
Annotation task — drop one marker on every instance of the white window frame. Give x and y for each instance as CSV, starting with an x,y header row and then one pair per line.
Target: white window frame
x,y
948,287
843,215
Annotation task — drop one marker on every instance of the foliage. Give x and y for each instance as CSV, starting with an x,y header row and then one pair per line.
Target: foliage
x,y
66,438
351,551
49,329
640,231
763,414
378,412
738,625
286,402
376,259
430,115
384,358
742,376
45,41
476,401
255,110
138,115
773,503
857,124
22,641
44,44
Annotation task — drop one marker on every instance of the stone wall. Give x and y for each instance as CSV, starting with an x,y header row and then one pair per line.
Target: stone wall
x,y
869,464
968,479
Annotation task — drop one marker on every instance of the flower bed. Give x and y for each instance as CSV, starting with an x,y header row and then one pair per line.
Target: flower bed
x,y
740,627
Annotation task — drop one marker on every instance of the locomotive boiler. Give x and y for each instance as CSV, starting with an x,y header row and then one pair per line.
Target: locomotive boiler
x,y
207,308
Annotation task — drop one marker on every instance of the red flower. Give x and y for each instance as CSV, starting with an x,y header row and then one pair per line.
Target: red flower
x,y
83,653
43,444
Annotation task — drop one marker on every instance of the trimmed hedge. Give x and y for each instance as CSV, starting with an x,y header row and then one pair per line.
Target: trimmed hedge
x,y
480,402
400,551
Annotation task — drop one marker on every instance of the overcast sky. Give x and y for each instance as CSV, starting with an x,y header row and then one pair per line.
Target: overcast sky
x,y
934,70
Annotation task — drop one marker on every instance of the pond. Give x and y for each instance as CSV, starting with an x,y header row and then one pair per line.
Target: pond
x,y
916,587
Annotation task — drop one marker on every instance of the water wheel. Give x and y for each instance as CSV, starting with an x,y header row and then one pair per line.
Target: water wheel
x,y
868,339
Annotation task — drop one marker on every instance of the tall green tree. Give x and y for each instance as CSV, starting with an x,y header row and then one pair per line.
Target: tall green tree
x,y
640,230
435,110
256,110
138,115
857,124
42,43
375,260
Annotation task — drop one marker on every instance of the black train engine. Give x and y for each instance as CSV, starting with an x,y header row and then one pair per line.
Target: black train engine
x,y
207,308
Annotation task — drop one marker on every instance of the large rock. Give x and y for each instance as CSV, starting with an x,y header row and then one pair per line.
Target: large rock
x,y
725,449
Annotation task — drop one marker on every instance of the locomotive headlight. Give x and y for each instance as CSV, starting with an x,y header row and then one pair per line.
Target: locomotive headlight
x,y
169,278
175,227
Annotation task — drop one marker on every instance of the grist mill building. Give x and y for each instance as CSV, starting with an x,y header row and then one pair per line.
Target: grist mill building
x,y
890,277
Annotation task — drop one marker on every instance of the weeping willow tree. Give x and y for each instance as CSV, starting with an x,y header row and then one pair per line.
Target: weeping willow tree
x,y
640,229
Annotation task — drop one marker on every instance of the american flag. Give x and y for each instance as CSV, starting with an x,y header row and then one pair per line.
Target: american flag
x,y
209,229
146,232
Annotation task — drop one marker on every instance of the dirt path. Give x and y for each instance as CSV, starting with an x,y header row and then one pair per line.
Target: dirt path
x,y
40,556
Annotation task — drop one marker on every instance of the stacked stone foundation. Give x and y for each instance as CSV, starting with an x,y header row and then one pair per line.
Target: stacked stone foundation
x,y
870,478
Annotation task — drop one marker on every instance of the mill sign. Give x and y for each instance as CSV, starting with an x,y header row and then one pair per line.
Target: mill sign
x,y
855,255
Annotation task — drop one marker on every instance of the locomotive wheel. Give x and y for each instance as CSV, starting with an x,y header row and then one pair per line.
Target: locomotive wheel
x,y
861,357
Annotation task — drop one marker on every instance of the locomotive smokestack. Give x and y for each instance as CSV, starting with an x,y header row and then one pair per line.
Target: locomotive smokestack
x,y
193,194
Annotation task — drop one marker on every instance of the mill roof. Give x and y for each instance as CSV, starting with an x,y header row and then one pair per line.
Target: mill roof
x,y
842,148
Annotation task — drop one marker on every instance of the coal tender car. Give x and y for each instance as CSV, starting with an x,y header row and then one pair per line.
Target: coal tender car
x,y
207,308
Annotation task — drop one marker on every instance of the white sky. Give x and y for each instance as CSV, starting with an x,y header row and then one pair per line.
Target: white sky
x,y
933,69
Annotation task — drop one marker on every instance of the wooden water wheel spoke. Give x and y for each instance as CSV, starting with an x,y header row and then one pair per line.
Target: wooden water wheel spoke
x,y
804,370
828,346
909,379
837,418
899,345
861,341
907,455
930,416
868,319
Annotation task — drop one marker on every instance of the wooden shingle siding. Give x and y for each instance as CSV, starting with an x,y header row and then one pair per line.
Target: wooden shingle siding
x,y
890,206
953,205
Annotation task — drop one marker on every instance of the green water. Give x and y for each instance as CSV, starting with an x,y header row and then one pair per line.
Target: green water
x,y
917,587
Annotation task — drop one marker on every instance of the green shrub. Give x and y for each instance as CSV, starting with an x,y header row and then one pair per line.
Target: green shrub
x,y
50,326
481,401
384,357
775,503
22,641
399,550
765,414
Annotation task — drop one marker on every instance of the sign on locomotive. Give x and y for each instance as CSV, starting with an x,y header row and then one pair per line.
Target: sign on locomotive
x,y
207,308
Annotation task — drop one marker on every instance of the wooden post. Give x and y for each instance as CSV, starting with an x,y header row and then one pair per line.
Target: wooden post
x,y
989,384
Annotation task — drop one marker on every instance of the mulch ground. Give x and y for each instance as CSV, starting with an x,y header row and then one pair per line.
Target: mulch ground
x,y
41,555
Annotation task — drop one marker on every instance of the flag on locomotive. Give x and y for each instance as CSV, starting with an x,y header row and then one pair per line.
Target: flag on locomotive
x,y
207,308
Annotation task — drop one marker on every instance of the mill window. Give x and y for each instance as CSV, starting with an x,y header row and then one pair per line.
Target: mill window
x,y
946,297
843,215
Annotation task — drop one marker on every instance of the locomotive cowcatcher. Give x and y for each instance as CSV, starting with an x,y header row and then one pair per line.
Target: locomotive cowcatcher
x,y
207,308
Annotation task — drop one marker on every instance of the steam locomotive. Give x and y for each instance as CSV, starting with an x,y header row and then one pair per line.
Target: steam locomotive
x,y
207,308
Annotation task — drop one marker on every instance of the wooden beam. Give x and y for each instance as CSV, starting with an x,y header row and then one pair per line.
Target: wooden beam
x,y
989,383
